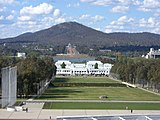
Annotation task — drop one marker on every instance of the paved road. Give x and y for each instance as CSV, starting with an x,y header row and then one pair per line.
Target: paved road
x,y
35,111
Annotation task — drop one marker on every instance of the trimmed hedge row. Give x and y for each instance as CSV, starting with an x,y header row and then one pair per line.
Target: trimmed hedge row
x,y
88,85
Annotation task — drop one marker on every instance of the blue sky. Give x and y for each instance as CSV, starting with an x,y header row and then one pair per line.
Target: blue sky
x,y
20,16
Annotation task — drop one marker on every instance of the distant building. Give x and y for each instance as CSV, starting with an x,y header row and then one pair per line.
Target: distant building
x,y
83,68
105,50
71,50
63,71
153,54
22,55
72,55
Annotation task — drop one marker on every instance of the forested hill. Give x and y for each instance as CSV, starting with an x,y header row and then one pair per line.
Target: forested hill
x,y
80,35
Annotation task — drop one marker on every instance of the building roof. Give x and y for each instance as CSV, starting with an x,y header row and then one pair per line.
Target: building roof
x,y
61,61
94,62
78,65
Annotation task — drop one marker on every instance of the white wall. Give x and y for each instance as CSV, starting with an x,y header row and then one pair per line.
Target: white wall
x,y
83,69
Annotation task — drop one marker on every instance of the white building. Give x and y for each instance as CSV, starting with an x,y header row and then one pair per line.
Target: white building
x,y
83,68
153,54
22,55
63,71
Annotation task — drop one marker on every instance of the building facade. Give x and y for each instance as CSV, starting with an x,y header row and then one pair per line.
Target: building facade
x,y
21,55
89,68
153,54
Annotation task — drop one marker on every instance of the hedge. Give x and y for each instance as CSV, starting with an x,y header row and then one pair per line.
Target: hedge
x,y
88,85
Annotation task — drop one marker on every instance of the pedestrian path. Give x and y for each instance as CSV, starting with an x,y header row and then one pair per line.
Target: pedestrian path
x,y
35,111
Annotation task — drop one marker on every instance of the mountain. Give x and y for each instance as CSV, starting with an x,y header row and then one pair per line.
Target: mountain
x,y
80,35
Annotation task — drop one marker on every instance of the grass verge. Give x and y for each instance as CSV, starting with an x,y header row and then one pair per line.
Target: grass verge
x,y
94,105
84,80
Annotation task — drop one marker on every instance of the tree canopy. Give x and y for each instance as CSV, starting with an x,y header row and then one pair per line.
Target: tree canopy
x,y
30,72
63,65
145,72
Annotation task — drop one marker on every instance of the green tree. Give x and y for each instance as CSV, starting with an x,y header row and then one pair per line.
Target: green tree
x,y
63,65
96,66
32,71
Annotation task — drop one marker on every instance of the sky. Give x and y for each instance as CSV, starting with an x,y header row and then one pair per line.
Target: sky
x,y
133,16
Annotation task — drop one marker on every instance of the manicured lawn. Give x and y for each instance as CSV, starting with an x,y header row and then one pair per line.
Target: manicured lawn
x,y
93,93
79,105
85,80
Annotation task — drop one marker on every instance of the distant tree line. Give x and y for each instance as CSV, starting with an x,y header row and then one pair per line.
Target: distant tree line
x,y
31,72
140,71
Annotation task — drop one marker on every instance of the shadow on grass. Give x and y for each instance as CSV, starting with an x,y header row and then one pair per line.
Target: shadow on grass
x,y
58,80
61,80
58,93
52,96
61,91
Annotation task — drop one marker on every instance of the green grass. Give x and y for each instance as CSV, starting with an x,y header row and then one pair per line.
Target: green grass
x,y
93,93
85,80
122,106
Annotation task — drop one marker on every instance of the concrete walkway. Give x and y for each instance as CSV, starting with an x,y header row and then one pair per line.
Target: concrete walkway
x,y
35,111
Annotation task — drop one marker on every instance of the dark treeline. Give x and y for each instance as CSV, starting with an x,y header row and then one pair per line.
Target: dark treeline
x,y
131,48
32,73
140,71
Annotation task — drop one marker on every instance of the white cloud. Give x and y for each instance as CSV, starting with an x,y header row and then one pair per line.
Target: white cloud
x,y
102,2
149,5
122,24
156,30
10,17
98,18
2,25
108,30
60,20
142,22
136,2
13,11
150,23
124,2
123,20
1,10
98,29
99,2
113,28
90,18
120,9
144,9
73,5
6,1
87,0
85,16
157,13
1,17
24,18
108,2
43,8
57,12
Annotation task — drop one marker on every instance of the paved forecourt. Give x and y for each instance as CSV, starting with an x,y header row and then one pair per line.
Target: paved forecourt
x,y
35,111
